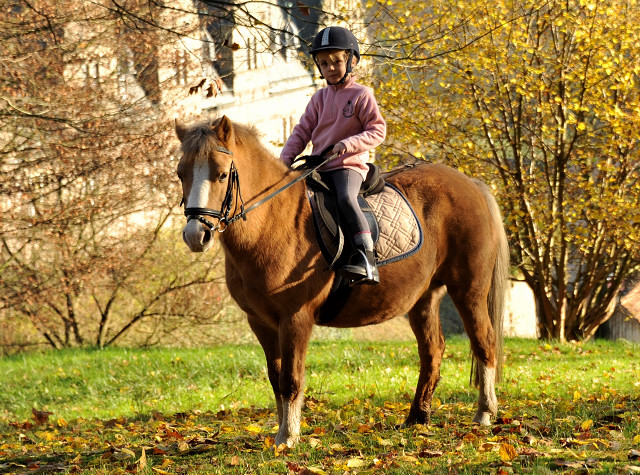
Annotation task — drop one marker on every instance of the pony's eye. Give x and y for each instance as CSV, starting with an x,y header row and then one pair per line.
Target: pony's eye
x,y
222,177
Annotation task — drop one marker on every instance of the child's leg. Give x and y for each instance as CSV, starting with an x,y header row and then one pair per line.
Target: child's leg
x,y
346,184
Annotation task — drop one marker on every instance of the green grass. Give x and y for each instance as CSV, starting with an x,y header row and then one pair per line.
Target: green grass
x,y
563,407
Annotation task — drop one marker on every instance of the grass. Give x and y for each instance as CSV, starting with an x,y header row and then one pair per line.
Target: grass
x,y
564,407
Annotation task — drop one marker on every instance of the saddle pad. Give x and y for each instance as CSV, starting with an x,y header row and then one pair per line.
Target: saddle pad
x,y
400,233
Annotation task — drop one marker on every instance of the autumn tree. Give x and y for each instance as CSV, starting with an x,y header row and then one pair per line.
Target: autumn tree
x,y
87,188
542,101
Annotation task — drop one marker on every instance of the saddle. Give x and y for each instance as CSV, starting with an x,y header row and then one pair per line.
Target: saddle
x,y
395,229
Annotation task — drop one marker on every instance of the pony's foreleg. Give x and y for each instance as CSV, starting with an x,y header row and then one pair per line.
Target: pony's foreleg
x,y
425,323
294,337
268,338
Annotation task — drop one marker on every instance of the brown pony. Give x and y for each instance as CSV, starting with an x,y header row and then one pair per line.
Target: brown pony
x,y
277,274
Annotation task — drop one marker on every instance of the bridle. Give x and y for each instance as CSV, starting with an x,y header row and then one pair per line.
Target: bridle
x,y
232,197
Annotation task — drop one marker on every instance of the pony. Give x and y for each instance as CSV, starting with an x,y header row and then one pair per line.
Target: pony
x,y
233,187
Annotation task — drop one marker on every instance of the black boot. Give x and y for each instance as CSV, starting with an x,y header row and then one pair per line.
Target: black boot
x,y
361,268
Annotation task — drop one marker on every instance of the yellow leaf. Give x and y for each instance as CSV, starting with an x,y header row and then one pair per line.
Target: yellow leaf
x,y
507,452
183,446
316,470
142,461
586,425
269,442
253,429
636,440
577,396
355,463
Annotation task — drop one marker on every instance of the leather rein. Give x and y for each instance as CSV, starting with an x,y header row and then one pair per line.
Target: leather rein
x,y
232,196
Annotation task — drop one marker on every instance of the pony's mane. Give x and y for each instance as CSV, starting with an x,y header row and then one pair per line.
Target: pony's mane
x,y
201,140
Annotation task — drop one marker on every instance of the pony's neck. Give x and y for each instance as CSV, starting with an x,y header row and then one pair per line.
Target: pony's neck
x,y
261,174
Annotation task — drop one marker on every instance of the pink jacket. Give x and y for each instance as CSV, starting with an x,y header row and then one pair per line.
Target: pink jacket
x,y
346,113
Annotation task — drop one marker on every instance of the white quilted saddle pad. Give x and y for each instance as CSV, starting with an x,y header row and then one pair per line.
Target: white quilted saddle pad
x,y
400,230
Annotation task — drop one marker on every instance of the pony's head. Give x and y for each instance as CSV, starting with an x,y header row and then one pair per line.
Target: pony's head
x,y
207,171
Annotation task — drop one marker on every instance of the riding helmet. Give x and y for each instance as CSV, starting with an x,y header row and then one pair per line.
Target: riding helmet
x,y
335,37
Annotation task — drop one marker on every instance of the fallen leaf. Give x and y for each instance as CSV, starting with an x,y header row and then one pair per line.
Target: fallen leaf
x,y
507,452
430,453
142,461
313,442
41,417
355,463
269,442
182,446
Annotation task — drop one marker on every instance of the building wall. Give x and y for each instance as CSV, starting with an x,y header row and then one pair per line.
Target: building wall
x,y
520,312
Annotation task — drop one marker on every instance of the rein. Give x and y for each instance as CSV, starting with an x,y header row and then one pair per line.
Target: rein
x,y
224,215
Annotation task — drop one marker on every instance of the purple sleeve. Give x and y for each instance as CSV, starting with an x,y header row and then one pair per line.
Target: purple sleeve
x,y
374,125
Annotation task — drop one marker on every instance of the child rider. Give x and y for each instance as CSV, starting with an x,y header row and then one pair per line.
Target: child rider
x,y
346,114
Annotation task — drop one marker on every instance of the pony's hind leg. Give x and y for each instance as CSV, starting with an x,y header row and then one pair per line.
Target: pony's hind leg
x,y
487,401
424,318
477,324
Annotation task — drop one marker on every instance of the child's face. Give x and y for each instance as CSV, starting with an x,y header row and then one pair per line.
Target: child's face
x,y
333,64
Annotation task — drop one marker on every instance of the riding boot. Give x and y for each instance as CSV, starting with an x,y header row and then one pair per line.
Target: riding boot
x,y
361,268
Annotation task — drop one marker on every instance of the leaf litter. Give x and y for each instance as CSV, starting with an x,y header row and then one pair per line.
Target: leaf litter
x,y
582,433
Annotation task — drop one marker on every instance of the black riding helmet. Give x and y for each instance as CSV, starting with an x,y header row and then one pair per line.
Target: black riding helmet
x,y
336,37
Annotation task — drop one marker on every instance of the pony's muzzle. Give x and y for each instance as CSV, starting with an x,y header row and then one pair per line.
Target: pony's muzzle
x,y
197,236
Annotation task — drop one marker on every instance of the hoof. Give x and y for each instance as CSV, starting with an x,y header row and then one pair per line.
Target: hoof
x,y
290,441
413,419
483,418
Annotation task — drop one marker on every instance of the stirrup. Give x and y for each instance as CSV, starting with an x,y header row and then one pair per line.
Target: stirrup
x,y
363,272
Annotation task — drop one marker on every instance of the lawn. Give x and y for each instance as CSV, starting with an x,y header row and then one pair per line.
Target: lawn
x,y
564,408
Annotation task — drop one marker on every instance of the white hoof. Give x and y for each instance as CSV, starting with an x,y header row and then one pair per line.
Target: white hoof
x,y
483,418
288,440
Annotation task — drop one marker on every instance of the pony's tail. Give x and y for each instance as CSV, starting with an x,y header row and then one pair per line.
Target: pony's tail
x,y
499,283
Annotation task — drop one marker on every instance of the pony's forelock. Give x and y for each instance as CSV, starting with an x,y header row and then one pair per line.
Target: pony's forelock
x,y
200,139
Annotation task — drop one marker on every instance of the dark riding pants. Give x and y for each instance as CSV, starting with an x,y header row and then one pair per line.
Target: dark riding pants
x,y
346,184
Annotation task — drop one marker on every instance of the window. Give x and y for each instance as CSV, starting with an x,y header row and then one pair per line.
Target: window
x,y
181,67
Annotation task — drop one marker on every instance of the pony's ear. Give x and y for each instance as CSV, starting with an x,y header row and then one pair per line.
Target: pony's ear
x,y
224,132
181,129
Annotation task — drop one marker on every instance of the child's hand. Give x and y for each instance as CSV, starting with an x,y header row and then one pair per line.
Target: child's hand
x,y
339,148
